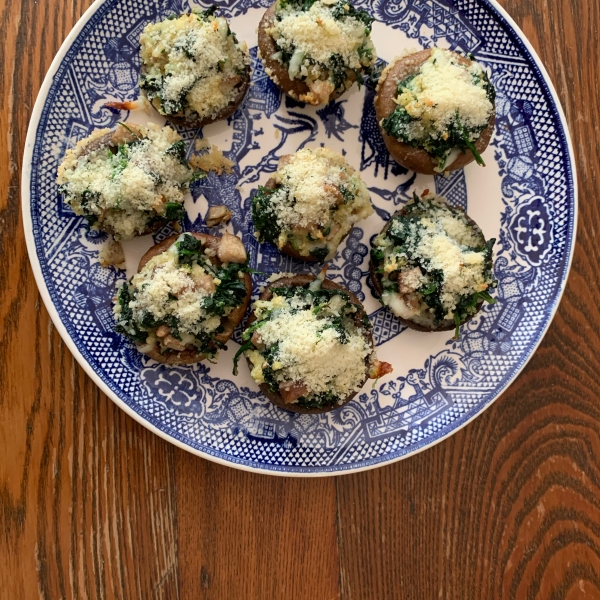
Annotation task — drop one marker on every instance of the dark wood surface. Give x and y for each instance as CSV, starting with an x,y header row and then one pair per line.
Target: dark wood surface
x,y
95,506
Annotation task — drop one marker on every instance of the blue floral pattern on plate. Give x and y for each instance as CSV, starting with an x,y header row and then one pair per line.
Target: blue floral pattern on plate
x,y
526,197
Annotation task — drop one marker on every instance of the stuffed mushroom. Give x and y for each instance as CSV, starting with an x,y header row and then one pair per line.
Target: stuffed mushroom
x,y
310,204
194,71
188,295
432,266
436,111
308,344
129,181
315,50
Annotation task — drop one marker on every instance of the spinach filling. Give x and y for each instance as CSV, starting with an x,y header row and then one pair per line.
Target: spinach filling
x,y
229,294
340,11
305,299
404,233
154,85
459,135
320,253
268,228
336,66
264,217
119,157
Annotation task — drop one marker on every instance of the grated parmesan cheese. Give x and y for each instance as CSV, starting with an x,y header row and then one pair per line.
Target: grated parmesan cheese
x,y
192,65
309,199
443,89
319,43
436,239
126,190
309,352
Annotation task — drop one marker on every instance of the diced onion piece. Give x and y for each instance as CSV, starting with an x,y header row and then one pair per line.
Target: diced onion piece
x,y
452,156
295,64
398,306
146,348
223,27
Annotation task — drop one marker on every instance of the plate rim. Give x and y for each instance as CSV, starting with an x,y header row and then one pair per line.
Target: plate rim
x,y
276,470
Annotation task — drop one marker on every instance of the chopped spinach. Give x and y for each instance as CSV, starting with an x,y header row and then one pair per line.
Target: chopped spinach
x,y
119,161
347,194
265,219
468,305
377,254
431,293
343,10
232,289
198,175
209,12
286,54
229,293
365,54
404,232
270,355
337,68
152,85
89,198
250,330
396,123
178,151
320,253
126,324
337,324
404,83
174,211
459,136
296,4
319,400
245,346
189,250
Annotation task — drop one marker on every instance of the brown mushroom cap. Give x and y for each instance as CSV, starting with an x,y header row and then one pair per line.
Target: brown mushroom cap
x,y
197,122
299,281
417,159
446,325
229,322
294,88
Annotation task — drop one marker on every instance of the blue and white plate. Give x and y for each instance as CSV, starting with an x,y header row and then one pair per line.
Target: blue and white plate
x,y
526,198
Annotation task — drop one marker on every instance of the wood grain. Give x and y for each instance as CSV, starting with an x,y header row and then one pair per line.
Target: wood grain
x,y
95,506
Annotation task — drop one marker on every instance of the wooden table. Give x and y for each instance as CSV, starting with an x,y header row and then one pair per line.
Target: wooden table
x,y
95,506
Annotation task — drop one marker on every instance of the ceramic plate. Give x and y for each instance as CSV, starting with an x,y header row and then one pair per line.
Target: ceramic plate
x,y
525,197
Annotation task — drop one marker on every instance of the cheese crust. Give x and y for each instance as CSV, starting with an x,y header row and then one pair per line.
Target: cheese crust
x,y
184,302
310,204
129,181
310,351
431,265
193,67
